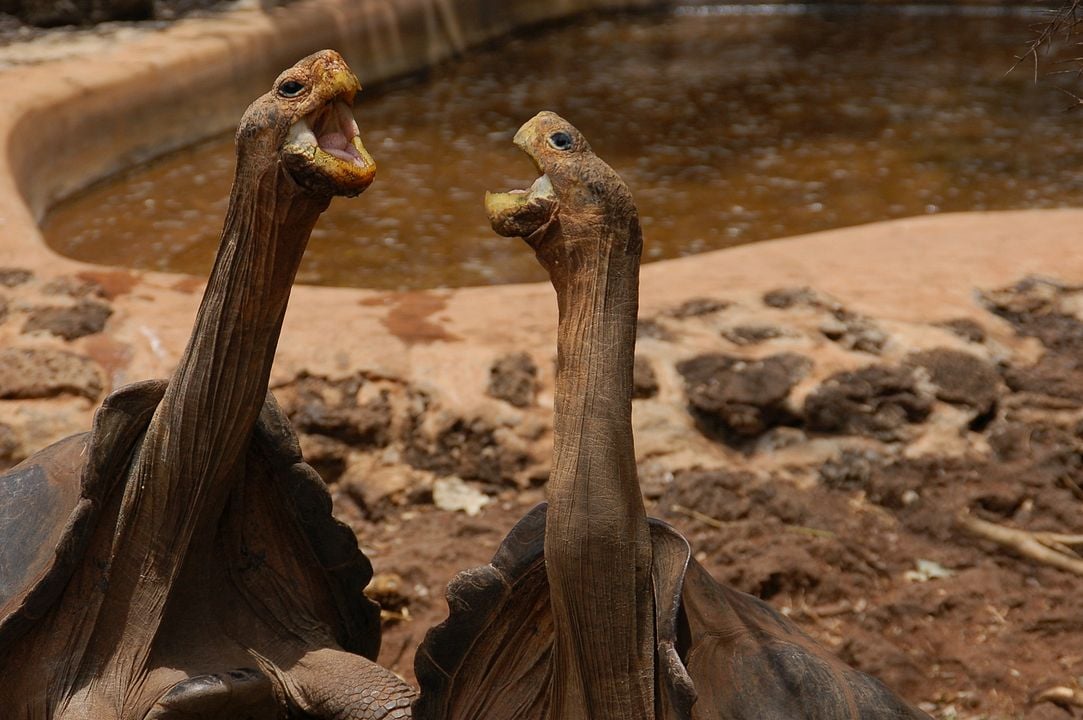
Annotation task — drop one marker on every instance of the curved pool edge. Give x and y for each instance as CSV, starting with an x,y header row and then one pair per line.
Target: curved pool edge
x,y
441,340
131,92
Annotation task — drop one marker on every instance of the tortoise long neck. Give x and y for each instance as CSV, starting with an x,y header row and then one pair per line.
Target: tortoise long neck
x,y
200,429
597,542
220,382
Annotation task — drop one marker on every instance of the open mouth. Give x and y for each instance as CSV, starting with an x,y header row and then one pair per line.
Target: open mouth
x,y
522,213
324,151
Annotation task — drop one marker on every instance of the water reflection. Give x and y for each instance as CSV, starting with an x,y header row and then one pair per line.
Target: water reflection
x,y
729,128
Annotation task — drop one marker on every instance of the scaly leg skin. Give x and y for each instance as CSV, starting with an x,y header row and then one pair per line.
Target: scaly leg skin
x,y
337,685
244,692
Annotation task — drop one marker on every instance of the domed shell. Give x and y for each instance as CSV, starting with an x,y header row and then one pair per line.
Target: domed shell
x,y
50,503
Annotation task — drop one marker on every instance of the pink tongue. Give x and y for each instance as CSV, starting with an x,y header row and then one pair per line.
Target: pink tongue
x,y
340,154
334,141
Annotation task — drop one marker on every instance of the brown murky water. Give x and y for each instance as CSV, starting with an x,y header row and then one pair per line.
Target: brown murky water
x,y
729,128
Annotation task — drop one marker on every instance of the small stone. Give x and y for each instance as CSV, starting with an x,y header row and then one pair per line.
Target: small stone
x,y
1030,296
513,378
783,298
926,570
965,328
84,318
13,277
850,470
27,373
72,286
698,306
452,494
854,332
751,334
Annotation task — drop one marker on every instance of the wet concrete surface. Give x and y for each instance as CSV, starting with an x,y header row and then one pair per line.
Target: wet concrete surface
x,y
729,128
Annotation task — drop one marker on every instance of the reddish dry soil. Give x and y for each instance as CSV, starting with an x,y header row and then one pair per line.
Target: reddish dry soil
x,y
981,642
866,552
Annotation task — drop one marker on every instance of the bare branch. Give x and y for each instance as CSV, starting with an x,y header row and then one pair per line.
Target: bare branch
x,y
1062,27
1029,545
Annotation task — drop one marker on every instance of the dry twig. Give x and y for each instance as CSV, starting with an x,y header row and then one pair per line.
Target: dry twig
x,y
1047,548
1063,25
1060,695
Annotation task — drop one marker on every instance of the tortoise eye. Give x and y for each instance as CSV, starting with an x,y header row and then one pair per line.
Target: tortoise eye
x,y
561,141
290,89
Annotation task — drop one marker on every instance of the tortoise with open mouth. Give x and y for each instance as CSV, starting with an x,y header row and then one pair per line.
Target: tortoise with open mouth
x,y
180,560
590,609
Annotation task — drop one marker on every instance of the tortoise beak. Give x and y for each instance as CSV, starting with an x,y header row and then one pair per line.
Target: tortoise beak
x,y
323,150
522,213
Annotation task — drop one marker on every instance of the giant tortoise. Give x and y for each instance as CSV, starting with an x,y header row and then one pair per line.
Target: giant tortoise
x,y
590,609
180,560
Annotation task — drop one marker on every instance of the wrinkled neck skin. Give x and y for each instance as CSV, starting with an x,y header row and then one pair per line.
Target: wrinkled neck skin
x,y
597,542
181,475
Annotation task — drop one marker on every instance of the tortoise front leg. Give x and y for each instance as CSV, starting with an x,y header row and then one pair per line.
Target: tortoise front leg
x,y
336,685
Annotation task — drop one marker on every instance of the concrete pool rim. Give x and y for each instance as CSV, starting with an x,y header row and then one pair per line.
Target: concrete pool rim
x,y
60,133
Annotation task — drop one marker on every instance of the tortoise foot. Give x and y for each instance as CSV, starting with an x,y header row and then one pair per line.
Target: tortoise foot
x,y
332,684
229,695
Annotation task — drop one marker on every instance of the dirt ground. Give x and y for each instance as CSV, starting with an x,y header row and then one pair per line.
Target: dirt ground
x,y
869,550
844,468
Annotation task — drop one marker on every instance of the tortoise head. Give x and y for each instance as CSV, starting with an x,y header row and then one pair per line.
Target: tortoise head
x,y
578,209
306,123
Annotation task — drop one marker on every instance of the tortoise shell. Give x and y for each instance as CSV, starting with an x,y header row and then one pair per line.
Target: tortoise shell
x,y
50,505
719,653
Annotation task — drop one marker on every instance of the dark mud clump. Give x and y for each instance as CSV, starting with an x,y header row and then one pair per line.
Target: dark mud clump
x,y
332,409
733,398
1054,375
845,327
1042,309
74,286
644,381
469,449
697,307
878,401
84,318
13,277
333,420
513,378
751,334
960,378
1036,307
783,298
967,329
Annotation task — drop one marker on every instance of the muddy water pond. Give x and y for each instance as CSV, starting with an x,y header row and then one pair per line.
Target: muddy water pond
x,y
729,126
